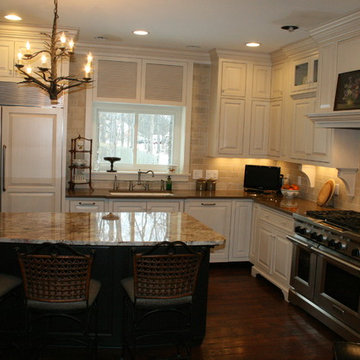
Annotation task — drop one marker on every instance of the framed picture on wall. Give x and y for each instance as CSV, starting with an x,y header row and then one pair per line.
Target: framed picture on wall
x,y
348,91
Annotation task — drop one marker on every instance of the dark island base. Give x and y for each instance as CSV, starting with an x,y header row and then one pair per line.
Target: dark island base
x,y
111,264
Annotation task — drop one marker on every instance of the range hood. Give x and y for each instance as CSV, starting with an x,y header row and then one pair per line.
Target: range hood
x,y
349,119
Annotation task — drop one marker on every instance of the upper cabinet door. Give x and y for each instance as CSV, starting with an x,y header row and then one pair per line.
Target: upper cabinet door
x,y
231,127
277,81
305,74
233,80
261,82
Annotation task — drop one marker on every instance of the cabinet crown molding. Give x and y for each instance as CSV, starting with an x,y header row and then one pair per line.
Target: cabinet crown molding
x,y
342,28
26,32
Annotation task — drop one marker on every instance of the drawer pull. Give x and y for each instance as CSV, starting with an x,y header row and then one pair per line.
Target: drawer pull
x,y
86,204
208,204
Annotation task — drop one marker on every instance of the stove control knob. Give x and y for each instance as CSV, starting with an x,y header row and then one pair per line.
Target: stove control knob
x,y
331,243
300,230
320,238
339,245
355,252
314,236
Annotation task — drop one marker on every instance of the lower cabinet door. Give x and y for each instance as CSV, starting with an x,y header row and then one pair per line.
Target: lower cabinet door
x,y
216,215
265,245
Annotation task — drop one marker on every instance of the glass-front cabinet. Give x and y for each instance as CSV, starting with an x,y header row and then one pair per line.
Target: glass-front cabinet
x,y
305,74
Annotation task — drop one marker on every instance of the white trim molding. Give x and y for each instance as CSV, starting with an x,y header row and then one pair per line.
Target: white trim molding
x,y
337,119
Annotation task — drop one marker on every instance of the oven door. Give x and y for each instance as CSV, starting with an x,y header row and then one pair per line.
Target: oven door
x,y
337,288
303,268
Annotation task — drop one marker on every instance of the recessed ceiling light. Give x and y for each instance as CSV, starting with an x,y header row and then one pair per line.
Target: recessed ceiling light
x,y
290,28
252,44
13,17
140,32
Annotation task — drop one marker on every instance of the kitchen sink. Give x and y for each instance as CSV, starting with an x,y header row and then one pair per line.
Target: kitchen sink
x,y
141,194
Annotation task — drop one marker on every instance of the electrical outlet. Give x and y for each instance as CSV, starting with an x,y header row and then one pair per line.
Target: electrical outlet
x,y
212,174
337,189
197,174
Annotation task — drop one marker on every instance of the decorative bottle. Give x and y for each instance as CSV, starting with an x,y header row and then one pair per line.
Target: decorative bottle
x,y
169,183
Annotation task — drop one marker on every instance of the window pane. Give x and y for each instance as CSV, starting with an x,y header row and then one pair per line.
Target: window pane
x,y
155,139
116,135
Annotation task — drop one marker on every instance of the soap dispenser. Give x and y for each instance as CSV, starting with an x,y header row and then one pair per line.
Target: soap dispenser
x,y
169,183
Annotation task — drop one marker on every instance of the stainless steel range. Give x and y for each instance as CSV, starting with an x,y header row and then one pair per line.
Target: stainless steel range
x,y
325,275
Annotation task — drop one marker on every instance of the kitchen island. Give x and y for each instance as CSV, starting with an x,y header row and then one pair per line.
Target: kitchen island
x,y
113,241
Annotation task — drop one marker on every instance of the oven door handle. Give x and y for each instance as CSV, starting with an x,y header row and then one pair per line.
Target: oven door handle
x,y
336,259
298,242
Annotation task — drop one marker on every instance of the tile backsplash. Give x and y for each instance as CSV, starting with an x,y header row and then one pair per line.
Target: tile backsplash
x,y
230,170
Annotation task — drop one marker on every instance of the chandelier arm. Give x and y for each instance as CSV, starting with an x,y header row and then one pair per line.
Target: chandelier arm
x,y
31,56
74,85
29,78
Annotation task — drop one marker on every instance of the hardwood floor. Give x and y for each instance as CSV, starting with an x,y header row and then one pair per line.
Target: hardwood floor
x,y
247,320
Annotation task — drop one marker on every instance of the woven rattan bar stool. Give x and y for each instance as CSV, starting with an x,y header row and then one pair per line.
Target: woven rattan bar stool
x,y
158,298
60,297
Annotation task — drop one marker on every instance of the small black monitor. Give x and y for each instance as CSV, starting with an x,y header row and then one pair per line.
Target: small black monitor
x,y
262,178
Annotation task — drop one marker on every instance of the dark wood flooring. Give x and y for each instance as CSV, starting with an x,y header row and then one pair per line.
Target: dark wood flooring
x,y
247,320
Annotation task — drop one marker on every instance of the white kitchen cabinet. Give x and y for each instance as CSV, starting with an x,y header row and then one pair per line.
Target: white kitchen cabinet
x,y
309,142
231,127
240,230
261,83
32,159
217,215
233,79
270,250
305,74
239,110
277,81
259,127
87,205
275,128
6,59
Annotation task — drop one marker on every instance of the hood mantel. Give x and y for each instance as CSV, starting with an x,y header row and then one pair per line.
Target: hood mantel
x,y
337,119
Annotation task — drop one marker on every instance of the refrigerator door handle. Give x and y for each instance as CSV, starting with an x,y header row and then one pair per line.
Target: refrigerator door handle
x,y
3,169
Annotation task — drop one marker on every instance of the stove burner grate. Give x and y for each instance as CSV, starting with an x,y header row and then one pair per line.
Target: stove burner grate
x,y
345,219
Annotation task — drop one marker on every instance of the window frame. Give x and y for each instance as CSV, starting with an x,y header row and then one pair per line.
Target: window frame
x,y
138,109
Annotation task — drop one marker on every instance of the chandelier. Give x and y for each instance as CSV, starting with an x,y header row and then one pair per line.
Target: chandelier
x,y
56,47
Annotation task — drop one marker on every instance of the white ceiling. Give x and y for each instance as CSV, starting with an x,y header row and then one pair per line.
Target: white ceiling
x,y
178,24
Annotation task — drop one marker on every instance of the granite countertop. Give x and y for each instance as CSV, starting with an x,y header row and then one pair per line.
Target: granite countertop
x,y
132,228
289,206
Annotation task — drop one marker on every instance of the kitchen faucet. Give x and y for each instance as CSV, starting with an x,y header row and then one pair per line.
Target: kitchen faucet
x,y
139,181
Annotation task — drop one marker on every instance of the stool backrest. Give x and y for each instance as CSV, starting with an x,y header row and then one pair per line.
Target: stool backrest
x,y
166,275
53,277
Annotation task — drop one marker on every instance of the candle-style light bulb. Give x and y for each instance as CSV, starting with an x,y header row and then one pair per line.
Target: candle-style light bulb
x,y
19,56
89,58
71,45
87,70
63,38
28,47
43,59
29,69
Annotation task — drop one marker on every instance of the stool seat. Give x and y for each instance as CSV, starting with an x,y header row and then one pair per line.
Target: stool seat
x,y
8,283
344,350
